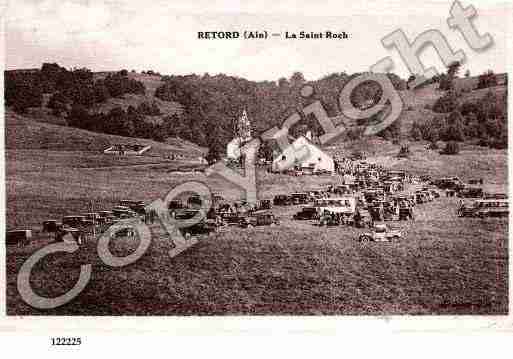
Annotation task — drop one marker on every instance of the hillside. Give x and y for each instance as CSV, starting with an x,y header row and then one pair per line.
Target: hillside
x,y
203,108
26,133
418,103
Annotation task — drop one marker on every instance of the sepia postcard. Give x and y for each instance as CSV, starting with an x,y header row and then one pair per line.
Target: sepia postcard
x,y
323,163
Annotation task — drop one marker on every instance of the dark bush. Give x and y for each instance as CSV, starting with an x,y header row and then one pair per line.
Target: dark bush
x,y
433,145
22,90
447,103
404,151
488,79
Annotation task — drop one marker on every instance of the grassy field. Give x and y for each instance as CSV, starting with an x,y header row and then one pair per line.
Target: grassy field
x,y
444,264
53,170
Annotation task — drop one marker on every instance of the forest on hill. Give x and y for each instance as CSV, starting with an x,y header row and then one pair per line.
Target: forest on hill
x,y
212,104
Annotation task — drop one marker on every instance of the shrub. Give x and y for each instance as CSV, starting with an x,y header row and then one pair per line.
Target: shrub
x,y
22,90
58,103
454,129
101,92
404,151
447,103
416,132
499,143
79,117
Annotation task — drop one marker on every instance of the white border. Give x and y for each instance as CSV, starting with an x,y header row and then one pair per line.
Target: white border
x,y
261,325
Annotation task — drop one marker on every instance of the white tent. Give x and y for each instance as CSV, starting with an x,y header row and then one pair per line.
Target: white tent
x,y
303,153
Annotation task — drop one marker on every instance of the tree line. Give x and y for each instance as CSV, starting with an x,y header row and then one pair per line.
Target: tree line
x,y
25,89
131,122
213,104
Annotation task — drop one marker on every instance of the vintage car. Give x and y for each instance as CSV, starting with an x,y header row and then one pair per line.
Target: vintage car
x,y
202,227
405,211
392,186
69,235
322,172
471,192
188,214
299,198
18,236
74,221
296,172
495,196
374,194
92,219
380,233
282,200
264,204
176,204
307,213
390,211
377,210
342,189
315,194
259,219
307,170
230,218
194,201
136,206
475,181
345,205
483,208
429,195
420,197
331,219
435,193
451,183
121,212
50,226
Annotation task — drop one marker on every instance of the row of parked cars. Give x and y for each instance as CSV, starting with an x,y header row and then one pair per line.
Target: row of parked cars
x,y
475,202
376,195
221,214
486,205
125,210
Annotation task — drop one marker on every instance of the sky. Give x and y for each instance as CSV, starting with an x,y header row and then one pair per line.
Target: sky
x,y
163,35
